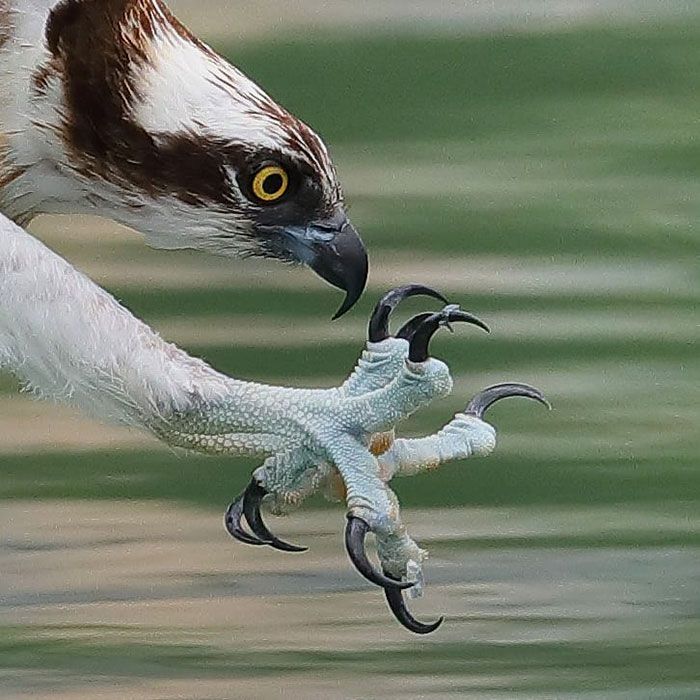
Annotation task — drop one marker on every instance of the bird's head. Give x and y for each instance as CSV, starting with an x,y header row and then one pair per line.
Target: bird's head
x,y
157,131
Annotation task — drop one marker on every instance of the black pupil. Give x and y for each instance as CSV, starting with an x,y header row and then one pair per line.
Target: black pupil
x,y
272,184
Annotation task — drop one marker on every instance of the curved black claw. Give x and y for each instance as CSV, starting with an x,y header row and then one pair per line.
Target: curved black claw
x,y
355,532
411,326
252,498
379,321
420,341
397,604
486,398
232,521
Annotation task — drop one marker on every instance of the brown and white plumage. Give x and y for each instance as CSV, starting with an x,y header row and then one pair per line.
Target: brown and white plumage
x,y
112,107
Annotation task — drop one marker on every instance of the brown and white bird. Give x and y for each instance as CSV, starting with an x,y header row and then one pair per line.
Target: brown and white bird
x,y
112,107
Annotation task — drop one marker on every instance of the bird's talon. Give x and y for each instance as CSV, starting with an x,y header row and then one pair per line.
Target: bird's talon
x,y
252,499
247,506
379,321
397,605
424,331
411,326
486,398
355,532
362,519
232,522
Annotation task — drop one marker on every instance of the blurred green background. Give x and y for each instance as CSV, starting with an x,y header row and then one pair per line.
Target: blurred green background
x,y
545,178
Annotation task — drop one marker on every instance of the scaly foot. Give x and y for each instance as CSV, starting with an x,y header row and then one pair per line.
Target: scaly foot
x,y
343,440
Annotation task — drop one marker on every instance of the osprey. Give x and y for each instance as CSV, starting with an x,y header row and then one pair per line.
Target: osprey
x,y
113,107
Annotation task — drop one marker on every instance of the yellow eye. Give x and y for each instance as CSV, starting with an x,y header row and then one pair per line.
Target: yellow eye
x,y
270,183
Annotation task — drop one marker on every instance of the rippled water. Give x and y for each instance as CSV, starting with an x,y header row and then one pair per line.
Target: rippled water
x,y
151,597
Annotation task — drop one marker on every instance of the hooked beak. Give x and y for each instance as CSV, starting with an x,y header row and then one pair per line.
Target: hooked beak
x,y
333,249
342,261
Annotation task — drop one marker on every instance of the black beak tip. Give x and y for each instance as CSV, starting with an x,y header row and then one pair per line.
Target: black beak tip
x,y
350,301
355,281
343,263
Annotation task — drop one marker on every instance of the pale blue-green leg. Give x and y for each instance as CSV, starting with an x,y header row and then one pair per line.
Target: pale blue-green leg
x,y
379,364
415,386
384,354
290,478
372,501
464,436
313,437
